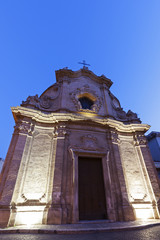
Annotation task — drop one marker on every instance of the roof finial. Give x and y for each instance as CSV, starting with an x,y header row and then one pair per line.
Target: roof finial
x,y
84,64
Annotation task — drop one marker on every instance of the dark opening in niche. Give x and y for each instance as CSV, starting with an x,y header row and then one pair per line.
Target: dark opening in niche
x,y
86,103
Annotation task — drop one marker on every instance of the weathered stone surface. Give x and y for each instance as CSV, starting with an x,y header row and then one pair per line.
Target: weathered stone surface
x,y
132,171
40,177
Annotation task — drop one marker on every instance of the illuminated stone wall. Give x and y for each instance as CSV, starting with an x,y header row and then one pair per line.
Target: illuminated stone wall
x,y
39,179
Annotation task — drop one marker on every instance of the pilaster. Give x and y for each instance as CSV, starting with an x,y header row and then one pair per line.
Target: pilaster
x,y
57,213
123,209
10,171
149,172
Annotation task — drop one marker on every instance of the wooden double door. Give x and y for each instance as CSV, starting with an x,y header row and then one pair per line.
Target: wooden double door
x,y
92,203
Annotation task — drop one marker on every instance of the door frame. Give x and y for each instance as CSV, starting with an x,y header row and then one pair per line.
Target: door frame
x,y
75,153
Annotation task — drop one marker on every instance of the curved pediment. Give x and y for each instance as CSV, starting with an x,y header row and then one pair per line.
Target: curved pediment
x,y
81,92
67,74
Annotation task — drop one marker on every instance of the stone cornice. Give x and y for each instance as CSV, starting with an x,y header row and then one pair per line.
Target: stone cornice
x,y
63,73
51,118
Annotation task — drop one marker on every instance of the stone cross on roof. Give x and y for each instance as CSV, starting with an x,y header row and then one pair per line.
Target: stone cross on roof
x,y
84,64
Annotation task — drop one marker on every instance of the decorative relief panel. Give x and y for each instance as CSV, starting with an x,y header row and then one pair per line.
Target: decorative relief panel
x,y
88,143
132,172
36,178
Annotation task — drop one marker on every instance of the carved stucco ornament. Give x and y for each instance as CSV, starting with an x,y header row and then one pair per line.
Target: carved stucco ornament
x,y
89,142
115,102
45,102
37,102
61,131
129,116
140,139
85,91
121,114
32,101
25,201
114,137
24,127
138,197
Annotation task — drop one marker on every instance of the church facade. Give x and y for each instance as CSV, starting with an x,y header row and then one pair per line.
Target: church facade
x,y
76,155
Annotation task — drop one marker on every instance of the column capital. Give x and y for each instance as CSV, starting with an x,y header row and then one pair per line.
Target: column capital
x,y
140,139
23,127
61,131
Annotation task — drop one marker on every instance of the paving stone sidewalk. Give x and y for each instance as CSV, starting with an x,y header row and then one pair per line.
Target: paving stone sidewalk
x,y
83,227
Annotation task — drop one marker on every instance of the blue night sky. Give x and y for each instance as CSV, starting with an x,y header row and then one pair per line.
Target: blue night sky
x,y
118,38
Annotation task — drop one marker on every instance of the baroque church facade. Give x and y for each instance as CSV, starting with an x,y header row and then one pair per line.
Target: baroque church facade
x,y
76,155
